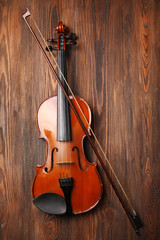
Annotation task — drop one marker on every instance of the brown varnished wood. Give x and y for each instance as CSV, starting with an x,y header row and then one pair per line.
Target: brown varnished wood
x,y
61,29
87,185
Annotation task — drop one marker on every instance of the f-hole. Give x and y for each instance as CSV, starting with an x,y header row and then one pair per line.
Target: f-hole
x,y
79,160
46,169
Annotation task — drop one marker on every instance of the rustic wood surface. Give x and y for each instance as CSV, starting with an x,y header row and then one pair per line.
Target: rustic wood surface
x,y
115,68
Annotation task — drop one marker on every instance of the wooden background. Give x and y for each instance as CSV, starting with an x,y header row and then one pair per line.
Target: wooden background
x,y
115,68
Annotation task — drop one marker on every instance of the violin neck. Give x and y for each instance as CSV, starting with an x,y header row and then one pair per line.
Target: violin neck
x,y
63,111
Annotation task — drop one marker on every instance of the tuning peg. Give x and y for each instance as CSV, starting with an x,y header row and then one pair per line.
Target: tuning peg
x,y
50,48
52,40
71,43
71,36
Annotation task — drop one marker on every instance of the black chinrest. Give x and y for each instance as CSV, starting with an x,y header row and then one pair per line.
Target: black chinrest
x,y
51,203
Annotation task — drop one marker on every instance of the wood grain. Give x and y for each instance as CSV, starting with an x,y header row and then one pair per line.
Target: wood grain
x,y
115,68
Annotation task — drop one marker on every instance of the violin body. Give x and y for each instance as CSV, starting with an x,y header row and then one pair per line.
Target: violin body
x,y
66,159
66,183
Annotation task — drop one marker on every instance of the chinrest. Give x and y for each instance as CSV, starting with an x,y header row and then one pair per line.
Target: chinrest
x,y
51,203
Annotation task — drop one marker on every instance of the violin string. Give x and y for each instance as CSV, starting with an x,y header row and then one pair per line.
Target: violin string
x,y
66,153
70,166
89,127
62,167
59,168
66,165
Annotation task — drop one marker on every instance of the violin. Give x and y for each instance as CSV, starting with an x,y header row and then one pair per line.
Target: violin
x,y
66,182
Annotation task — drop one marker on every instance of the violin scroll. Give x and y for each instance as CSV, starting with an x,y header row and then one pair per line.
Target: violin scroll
x,y
69,40
61,28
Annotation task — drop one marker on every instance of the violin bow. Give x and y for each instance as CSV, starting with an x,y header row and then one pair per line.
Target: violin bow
x,y
128,208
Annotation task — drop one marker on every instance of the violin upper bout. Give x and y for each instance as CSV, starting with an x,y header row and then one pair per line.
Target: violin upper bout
x,y
47,118
86,116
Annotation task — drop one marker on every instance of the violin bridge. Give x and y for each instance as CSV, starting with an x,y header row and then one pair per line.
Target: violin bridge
x,y
65,162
